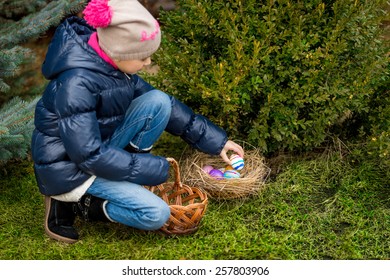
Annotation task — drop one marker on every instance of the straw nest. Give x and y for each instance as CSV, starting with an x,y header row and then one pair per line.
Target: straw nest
x,y
253,175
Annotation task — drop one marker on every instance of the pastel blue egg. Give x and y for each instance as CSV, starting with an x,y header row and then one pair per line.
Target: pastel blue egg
x,y
231,174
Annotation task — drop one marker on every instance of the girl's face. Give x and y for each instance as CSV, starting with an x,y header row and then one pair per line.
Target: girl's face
x,y
132,66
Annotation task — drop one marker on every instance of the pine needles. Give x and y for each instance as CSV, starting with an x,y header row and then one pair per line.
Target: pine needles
x,y
16,126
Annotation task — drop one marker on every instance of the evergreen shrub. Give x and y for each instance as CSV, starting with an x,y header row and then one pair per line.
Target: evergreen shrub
x,y
374,124
278,74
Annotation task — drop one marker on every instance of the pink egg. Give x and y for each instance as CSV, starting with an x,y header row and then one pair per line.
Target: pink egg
x,y
216,174
207,168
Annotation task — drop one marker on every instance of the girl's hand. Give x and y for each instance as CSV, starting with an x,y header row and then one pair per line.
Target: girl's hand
x,y
231,146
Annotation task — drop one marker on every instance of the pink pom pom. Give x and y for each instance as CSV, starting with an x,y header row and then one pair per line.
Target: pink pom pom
x,y
98,13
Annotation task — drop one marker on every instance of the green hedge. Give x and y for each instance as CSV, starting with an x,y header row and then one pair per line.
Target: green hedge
x,y
374,124
278,74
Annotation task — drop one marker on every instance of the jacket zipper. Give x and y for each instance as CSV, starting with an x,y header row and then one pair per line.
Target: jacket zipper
x,y
127,76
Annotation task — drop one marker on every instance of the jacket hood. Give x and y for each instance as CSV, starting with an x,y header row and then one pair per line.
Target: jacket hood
x,y
69,49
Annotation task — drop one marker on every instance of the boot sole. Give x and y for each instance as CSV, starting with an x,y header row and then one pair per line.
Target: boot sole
x,y
48,231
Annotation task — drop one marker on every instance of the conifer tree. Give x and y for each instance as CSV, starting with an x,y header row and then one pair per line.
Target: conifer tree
x,y
16,122
21,21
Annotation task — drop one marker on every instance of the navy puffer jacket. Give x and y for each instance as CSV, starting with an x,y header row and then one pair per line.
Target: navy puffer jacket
x,y
84,102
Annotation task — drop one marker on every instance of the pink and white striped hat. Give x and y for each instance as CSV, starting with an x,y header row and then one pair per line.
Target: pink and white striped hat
x,y
126,30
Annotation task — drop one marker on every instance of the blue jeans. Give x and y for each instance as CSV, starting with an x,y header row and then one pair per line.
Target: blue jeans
x,y
128,203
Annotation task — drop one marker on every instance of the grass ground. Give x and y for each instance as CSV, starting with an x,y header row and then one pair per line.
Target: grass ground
x,y
323,206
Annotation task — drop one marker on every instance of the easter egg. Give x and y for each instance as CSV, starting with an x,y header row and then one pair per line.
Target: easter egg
x,y
231,174
216,174
237,162
207,168
229,167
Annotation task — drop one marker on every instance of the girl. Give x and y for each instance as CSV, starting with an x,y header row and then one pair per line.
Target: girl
x,y
97,120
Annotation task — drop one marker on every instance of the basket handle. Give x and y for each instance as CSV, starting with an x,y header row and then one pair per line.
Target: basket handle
x,y
175,166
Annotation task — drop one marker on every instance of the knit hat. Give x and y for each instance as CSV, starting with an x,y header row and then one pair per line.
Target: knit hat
x,y
126,30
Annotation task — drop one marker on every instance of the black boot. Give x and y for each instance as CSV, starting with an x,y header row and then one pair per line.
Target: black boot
x,y
59,219
90,208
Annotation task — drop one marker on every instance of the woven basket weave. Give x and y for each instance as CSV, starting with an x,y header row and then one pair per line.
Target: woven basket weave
x,y
187,204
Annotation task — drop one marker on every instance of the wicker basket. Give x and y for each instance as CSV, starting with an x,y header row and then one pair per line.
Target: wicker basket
x,y
253,175
187,204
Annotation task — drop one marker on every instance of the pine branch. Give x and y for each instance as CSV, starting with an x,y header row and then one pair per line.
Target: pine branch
x,y
15,32
32,25
16,126
10,59
15,9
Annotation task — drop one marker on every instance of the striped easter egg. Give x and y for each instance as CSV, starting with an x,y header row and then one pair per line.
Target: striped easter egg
x,y
237,162
231,174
